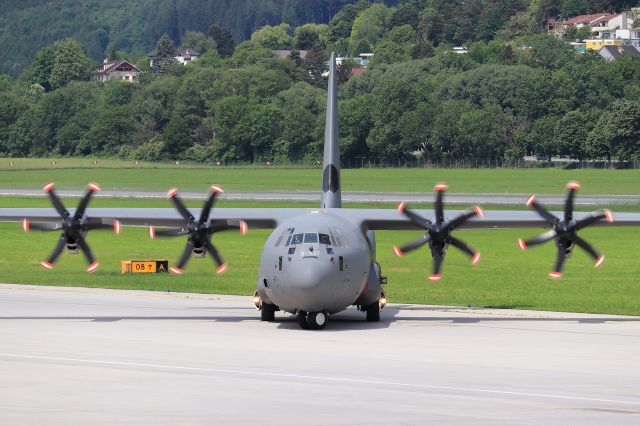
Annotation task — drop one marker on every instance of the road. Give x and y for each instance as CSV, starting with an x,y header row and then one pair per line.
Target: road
x,y
349,197
73,356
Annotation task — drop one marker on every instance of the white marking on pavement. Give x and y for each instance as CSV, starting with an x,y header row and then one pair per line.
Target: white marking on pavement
x,y
320,378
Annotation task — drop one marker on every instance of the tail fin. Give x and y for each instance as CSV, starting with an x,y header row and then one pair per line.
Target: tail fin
x,y
331,194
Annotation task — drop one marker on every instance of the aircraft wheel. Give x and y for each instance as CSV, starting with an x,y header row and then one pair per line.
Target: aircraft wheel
x,y
373,312
302,320
317,320
268,312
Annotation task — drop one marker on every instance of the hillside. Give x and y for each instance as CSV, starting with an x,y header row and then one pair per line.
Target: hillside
x,y
135,25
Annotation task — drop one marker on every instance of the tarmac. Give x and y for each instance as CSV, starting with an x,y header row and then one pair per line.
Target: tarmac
x,y
78,356
348,197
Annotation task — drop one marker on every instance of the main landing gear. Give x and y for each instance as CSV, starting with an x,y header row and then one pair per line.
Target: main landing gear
x,y
312,320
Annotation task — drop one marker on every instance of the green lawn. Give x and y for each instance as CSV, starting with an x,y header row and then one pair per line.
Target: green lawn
x,y
115,174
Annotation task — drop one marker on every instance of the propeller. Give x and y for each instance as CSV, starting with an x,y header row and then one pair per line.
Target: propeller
x,y
74,227
565,232
438,235
199,231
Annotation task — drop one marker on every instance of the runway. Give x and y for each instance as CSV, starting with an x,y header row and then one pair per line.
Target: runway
x,y
348,197
74,356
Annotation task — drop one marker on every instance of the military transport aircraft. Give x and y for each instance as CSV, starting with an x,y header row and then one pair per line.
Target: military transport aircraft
x,y
316,262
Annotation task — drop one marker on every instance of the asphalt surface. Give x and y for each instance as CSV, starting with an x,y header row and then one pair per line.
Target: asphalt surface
x,y
349,197
72,356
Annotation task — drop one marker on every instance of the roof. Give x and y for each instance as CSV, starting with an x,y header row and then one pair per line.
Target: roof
x,y
616,52
591,19
110,66
187,52
283,54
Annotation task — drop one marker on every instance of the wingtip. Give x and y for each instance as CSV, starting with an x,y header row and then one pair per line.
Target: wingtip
x,y
25,225
49,186
435,278
554,275
479,211
217,188
92,186
117,226
401,206
172,192
152,232
599,261
244,228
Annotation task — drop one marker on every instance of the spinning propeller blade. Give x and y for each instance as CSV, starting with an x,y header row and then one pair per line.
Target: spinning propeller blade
x,y
74,228
438,235
199,231
565,231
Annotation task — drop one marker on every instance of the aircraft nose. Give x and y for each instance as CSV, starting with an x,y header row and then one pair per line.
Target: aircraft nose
x,y
311,283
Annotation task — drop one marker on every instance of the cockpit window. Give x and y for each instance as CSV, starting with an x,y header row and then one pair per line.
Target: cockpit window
x,y
338,238
311,238
324,239
297,239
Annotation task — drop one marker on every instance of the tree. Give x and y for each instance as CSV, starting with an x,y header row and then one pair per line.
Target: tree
x,y
315,65
273,37
617,133
164,55
70,62
224,40
519,25
198,42
42,66
370,24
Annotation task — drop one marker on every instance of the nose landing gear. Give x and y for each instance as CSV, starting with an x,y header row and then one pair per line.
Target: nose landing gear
x,y
312,320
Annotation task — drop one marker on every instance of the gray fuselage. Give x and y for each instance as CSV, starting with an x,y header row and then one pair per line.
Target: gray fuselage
x,y
318,262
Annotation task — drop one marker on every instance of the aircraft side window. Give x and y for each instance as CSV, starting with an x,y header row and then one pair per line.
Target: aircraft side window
x,y
310,237
297,239
324,239
339,237
288,240
333,239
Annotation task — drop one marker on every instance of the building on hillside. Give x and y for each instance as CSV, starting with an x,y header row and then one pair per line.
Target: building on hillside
x,y
117,70
283,54
602,24
184,56
612,53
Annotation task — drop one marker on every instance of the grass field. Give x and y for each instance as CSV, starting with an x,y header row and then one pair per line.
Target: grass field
x,y
115,174
506,277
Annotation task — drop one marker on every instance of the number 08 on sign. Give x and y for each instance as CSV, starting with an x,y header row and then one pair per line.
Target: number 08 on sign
x,y
144,266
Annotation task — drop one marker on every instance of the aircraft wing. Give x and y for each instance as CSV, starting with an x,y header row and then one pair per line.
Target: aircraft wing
x,y
388,219
268,218
259,218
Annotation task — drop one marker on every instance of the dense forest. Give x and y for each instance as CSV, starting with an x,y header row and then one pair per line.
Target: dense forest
x,y
516,92
135,25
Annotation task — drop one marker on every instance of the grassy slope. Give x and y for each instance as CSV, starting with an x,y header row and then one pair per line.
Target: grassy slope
x,y
113,174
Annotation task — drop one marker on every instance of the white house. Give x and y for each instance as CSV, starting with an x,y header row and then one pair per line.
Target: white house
x,y
119,70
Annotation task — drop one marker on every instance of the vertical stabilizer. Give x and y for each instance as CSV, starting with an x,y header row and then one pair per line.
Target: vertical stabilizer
x,y
331,195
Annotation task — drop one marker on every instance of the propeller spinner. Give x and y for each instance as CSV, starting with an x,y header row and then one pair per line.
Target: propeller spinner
x,y
438,234
199,231
565,232
74,227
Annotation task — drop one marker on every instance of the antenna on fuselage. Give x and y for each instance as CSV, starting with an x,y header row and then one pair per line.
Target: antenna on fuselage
x,y
331,195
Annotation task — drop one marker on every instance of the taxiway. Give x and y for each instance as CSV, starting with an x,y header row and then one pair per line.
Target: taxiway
x,y
76,356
